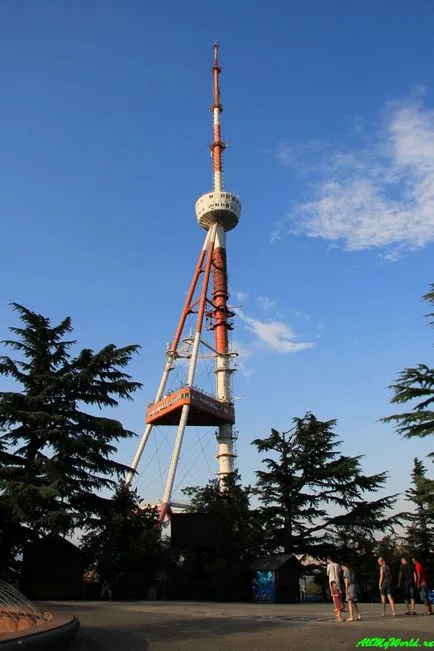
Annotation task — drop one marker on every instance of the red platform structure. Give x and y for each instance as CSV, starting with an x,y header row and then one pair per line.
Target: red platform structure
x,y
217,212
204,409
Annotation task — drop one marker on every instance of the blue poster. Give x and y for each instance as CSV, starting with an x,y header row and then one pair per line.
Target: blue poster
x,y
263,587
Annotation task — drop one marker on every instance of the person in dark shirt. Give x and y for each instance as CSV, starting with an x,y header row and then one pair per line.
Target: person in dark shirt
x,y
385,586
406,583
421,580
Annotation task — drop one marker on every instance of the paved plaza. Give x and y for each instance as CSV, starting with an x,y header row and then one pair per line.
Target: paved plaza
x,y
170,626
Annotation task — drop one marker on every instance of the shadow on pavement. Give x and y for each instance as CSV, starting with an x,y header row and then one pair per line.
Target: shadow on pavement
x,y
107,639
127,631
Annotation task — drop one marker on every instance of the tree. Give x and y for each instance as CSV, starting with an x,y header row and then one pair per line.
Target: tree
x,y
231,501
242,536
55,457
125,545
305,476
420,531
415,385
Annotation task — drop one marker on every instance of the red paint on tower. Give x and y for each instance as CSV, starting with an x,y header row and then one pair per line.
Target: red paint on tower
x,y
220,297
217,146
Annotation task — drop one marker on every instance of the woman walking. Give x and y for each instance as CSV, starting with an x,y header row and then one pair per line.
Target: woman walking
x,y
351,593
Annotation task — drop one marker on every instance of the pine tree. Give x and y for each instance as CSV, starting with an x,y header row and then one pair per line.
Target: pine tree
x,y
305,476
125,544
415,385
231,501
420,531
226,568
55,456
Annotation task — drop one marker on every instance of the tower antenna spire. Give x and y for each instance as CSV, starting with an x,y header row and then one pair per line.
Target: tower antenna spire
x,y
217,146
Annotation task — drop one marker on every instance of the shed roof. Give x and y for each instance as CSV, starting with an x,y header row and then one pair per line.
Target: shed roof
x,y
52,542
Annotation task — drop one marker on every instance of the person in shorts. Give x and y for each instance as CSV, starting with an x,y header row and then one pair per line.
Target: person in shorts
x,y
407,585
351,593
385,586
421,580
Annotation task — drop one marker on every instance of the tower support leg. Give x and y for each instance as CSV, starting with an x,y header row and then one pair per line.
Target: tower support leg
x,y
190,378
138,455
165,504
171,353
148,428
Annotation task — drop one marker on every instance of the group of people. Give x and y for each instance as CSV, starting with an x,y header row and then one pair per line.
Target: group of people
x,y
412,576
351,590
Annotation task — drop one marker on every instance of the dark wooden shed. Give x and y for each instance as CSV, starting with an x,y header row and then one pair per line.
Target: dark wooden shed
x,y
275,579
53,568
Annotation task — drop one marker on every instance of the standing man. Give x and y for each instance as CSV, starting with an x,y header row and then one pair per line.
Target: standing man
x,y
385,586
333,573
106,590
406,583
421,580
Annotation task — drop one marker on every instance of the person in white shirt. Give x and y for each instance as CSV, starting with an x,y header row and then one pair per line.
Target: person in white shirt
x,y
333,572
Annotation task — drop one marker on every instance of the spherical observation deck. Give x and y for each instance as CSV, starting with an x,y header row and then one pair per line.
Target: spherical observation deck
x,y
218,207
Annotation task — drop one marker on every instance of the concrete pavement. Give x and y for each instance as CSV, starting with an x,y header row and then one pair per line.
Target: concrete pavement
x,y
176,626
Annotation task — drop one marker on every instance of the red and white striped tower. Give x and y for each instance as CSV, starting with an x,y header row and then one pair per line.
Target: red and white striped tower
x,y
217,212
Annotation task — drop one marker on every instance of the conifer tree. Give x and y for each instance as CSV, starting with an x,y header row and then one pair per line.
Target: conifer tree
x,y
125,544
226,567
56,445
231,501
305,476
420,531
416,386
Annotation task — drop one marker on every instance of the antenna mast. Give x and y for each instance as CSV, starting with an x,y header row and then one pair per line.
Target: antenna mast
x,y
218,146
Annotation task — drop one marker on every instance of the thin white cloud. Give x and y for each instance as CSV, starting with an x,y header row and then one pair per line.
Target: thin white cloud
x,y
300,156
265,302
381,196
319,329
276,335
244,354
300,314
240,296
276,233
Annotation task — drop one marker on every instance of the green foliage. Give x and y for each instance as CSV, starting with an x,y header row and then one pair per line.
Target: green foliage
x,y
305,476
232,502
415,385
356,545
55,456
420,531
125,544
225,569
392,549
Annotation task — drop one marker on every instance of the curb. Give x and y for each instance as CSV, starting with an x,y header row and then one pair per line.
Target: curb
x,y
54,638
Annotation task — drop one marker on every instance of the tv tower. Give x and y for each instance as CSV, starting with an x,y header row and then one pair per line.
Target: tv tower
x,y
217,212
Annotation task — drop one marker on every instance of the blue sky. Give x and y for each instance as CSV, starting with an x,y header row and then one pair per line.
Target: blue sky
x,y
329,112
